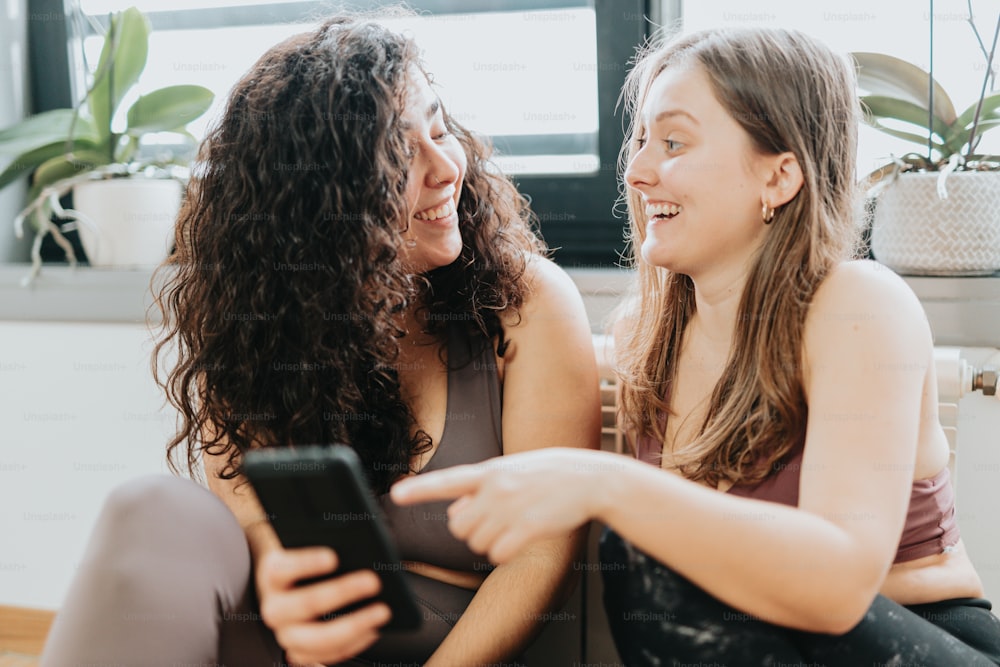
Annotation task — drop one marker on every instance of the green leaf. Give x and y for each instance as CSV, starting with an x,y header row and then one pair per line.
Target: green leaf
x,y
882,107
188,137
126,148
64,166
908,136
984,158
32,159
123,57
983,126
887,76
961,139
40,130
878,175
958,136
168,109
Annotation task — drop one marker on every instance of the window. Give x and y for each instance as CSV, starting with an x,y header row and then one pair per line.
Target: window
x,y
540,78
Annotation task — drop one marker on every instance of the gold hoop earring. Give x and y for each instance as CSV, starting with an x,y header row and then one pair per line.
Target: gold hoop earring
x,y
767,214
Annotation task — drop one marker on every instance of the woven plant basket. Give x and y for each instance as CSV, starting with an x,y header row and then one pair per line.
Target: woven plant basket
x,y
915,232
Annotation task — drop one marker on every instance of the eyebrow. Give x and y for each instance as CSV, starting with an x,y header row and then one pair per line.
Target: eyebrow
x,y
673,113
431,110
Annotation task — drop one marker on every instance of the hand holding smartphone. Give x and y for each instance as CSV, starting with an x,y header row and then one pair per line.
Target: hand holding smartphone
x,y
318,496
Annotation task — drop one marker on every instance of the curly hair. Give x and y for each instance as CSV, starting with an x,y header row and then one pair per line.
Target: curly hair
x,y
789,93
283,299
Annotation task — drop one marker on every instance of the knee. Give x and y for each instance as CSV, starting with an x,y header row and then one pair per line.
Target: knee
x,y
161,508
174,524
166,540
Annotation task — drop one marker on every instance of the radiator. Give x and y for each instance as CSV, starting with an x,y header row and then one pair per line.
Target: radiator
x,y
956,378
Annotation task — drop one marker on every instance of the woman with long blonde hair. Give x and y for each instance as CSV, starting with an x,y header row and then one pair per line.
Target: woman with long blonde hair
x,y
789,499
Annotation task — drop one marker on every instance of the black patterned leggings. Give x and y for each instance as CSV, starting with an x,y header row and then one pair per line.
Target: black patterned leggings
x,y
658,617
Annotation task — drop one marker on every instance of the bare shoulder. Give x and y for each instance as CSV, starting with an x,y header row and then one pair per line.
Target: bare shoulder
x,y
551,295
863,291
548,278
865,306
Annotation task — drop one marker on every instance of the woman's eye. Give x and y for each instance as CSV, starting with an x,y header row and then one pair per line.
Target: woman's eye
x,y
440,130
672,145
640,142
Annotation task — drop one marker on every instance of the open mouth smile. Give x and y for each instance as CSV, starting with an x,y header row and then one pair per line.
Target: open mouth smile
x,y
662,211
436,213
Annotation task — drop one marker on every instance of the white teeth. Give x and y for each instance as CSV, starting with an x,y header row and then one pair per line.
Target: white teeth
x,y
442,211
670,210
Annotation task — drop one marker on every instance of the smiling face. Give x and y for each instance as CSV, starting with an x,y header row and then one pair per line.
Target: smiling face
x,y
434,182
699,178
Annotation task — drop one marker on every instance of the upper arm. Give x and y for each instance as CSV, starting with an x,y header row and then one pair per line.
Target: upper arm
x,y
551,393
867,350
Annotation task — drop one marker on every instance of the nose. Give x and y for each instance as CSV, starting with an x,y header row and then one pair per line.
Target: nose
x,y
640,172
442,168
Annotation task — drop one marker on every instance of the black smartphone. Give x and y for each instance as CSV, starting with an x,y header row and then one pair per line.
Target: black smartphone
x,y
318,496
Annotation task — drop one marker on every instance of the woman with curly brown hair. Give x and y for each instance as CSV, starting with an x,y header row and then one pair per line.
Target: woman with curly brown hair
x,y
348,268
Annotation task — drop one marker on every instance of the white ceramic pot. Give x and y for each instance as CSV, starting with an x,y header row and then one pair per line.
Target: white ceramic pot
x,y
132,220
916,232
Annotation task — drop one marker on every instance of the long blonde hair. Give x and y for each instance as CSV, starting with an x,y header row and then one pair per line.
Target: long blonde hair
x,y
789,93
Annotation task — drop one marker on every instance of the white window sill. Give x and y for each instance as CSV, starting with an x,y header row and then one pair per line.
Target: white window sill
x,y
83,294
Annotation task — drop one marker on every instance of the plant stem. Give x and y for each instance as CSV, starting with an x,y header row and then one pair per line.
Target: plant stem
x,y
113,36
979,39
982,94
930,88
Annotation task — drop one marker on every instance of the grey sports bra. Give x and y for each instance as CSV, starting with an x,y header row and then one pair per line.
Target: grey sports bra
x,y
472,433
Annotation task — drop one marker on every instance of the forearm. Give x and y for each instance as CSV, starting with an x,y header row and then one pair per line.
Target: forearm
x,y
775,562
512,605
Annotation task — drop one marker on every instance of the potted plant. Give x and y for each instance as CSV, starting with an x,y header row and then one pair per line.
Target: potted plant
x,y
78,149
936,212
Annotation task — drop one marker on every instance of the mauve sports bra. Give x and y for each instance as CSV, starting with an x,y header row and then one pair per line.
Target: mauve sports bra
x,y
472,433
930,528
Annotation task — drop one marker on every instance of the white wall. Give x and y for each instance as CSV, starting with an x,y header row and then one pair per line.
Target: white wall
x,y
79,414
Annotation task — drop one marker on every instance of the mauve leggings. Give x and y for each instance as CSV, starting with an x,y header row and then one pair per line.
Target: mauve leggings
x,y
166,582
658,617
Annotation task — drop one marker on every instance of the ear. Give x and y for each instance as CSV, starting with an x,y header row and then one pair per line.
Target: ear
x,y
783,179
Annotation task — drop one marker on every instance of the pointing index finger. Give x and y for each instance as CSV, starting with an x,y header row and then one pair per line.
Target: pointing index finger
x,y
438,485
